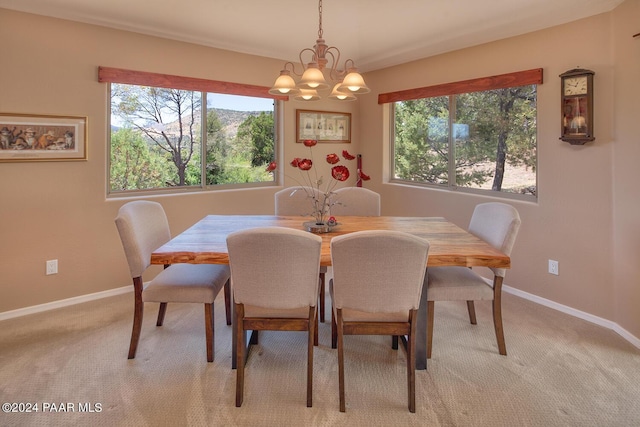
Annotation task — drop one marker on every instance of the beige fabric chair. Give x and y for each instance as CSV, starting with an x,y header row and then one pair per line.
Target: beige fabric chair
x,y
143,227
298,201
355,201
376,287
497,224
351,201
283,296
295,201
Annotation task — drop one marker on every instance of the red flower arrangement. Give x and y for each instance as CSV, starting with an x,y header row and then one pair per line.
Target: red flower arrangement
x,y
320,199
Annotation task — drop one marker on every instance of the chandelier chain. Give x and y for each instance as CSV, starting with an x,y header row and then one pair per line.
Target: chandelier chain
x,y
320,19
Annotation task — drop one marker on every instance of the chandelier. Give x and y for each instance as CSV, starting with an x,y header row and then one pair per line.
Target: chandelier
x,y
346,82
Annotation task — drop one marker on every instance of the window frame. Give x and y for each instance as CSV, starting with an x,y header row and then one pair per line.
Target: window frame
x,y
111,75
450,90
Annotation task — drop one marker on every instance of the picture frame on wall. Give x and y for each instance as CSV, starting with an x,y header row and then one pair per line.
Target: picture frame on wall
x,y
37,137
323,126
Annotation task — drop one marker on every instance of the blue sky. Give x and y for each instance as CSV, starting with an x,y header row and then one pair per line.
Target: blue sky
x,y
239,103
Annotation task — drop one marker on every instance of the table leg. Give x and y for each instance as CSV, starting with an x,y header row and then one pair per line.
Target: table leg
x,y
421,332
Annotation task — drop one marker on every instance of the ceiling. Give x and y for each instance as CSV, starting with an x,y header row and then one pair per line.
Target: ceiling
x,y
374,33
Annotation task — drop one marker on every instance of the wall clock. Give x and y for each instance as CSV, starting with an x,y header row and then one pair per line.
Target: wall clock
x,y
577,106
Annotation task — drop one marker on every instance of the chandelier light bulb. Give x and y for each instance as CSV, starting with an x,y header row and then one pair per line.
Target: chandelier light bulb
x,y
307,95
339,95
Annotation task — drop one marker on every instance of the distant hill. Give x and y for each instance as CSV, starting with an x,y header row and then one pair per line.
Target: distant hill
x,y
230,120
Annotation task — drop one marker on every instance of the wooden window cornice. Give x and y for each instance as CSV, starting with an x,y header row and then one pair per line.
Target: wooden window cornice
x,y
519,78
143,78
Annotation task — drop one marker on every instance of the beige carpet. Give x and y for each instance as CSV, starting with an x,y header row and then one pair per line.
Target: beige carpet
x,y
560,371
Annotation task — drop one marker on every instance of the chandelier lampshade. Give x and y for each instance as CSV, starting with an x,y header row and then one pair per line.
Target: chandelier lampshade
x,y
312,78
339,95
284,85
319,73
354,83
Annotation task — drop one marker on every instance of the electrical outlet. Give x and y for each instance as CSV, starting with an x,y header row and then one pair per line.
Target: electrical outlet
x,y
52,266
553,267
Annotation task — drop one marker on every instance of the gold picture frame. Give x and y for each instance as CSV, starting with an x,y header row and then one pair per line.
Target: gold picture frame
x,y
323,126
38,137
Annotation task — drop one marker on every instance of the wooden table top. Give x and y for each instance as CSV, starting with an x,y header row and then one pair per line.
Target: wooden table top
x,y
450,245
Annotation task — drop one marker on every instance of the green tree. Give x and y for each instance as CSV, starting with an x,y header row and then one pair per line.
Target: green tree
x,y
496,126
503,123
422,140
133,165
256,134
217,148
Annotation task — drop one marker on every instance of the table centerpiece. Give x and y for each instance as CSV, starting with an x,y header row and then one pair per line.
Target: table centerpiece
x,y
319,195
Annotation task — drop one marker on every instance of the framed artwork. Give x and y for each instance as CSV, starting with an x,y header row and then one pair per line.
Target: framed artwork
x,y
323,126
31,137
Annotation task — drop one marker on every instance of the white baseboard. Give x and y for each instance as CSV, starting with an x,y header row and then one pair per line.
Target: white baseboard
x,y
635,341
64,302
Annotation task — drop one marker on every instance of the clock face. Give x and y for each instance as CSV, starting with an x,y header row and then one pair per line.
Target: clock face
x,y
575,85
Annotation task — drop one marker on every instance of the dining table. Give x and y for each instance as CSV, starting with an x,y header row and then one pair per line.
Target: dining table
x,y
449,245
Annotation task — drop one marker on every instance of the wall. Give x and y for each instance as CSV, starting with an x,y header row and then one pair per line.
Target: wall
x,y
625,168
573,220
586,216
59,210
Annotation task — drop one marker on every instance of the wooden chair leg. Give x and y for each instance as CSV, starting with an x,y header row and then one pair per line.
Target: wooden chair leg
x,y
227,301
161,312
315,329
138,309
394,342
209,331
239,309
322,297
431,317
341,361
312,337
411,361
471,308
497,315
334,331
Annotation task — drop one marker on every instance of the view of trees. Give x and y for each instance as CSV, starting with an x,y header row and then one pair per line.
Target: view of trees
x,y
491,131
244,159
156,141
475,140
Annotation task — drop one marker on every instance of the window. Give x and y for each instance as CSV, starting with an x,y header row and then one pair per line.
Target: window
x,y
466,139
170,136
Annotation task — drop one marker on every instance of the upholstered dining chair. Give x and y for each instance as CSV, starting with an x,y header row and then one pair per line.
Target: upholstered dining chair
x,y
351,201
282,297
376,287
298,201
355,201
143,227
295,200
497,224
